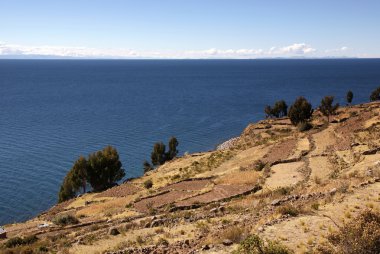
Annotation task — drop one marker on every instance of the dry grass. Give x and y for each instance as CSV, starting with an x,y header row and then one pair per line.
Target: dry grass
x,y
108,207
240,177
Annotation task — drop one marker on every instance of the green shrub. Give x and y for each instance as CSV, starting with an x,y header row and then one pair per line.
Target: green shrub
x,y
30,239
361,235
288,210
304,126
66,219
315,206
253,244
17,241
259,165
14,242
148,184
234,234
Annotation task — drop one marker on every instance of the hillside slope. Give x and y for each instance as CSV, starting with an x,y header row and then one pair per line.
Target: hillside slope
x,y
274,181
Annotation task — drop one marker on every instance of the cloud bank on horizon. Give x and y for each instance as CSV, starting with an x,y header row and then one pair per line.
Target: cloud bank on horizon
x,y
301,50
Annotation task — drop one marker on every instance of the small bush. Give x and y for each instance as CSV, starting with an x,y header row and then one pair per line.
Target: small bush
x,y
14,242
315,206
304,126
255,245
283,190
361,235
234,234
66,219
18,241
288,210
148,184
259,165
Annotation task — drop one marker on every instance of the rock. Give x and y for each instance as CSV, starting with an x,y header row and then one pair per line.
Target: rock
x,y
227,242
156,223
114,231
260,229
205,247
276,202
214,210
333,191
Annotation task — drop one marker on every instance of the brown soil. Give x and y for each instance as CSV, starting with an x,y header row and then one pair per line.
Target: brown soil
x,y
281,151
347,130
219,192
192,185
120,191
154,202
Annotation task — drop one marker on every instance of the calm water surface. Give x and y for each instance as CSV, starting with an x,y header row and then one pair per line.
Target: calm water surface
x,y
52,111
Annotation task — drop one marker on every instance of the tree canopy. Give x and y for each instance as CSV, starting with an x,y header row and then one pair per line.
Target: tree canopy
x,y
327,108
300,111
349,96
159,155
375,95
101,170
280,109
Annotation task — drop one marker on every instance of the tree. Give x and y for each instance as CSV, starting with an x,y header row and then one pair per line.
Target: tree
x,y
280,109
327,108
173,143
268,111
158,154
349,97
104,169
66,191
147,167
79,174
375,95
300,111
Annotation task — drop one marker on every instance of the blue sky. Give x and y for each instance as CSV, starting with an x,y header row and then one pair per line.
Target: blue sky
x,y
190,29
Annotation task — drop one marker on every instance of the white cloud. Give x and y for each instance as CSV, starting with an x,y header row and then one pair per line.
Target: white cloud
x,y
294,50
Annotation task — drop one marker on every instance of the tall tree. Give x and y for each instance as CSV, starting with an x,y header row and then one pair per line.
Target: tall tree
x,y
147,167
158,154
300,111
268,111
105,168
67,190
327,108
375,95
349,97
280,109
173,143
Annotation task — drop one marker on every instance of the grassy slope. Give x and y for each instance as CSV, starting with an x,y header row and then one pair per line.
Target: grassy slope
x,y
328,168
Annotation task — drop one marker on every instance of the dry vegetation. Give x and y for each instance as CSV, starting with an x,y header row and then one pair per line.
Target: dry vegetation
x,y
273,190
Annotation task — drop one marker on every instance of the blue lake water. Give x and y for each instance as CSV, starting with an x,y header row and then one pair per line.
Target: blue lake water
x,y
52,111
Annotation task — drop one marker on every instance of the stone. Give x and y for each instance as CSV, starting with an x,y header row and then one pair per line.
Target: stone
x,y
156,223
276,202
214,210
227,242
333,191
205,247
